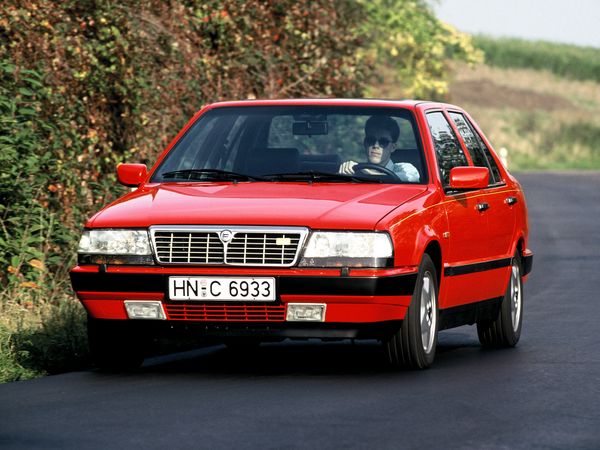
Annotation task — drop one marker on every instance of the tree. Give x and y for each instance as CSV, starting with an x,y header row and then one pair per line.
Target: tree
x,y
409,47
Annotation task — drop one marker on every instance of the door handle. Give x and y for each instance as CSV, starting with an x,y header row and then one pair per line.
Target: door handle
x,y
511,200
483,206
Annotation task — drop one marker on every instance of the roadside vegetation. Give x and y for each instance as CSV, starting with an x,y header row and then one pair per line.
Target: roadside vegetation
x,y
540,101
567,61
87,85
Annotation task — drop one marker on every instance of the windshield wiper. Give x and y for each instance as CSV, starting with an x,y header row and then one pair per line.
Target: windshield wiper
x,y
318,176
209,175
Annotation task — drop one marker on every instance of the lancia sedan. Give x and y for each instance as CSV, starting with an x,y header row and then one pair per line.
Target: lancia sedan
x,y
293,219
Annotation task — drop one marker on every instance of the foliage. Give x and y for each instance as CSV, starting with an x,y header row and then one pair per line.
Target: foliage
x,y
570,61
30,234
412,45
86,84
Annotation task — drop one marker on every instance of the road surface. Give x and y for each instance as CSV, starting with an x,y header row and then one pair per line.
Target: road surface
x,y
545,393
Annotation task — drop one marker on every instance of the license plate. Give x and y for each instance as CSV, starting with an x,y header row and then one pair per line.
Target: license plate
x,y
222,288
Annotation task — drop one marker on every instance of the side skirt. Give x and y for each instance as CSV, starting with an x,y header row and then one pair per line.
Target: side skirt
x,y
469,314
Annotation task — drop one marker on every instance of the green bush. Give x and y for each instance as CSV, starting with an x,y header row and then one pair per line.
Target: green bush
x,y
86,85
570,61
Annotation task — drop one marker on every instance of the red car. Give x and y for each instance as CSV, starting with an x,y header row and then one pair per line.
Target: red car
x,y
334,219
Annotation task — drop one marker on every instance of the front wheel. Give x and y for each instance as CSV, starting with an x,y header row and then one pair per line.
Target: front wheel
x,y
413,345
505,330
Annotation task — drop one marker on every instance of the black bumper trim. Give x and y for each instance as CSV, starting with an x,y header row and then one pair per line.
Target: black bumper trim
x,y
118,282
264,332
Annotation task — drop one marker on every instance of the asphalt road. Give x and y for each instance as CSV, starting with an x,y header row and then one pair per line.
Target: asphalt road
x,y
543,394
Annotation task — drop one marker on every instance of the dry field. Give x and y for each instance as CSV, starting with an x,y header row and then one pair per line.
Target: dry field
x,y
544,121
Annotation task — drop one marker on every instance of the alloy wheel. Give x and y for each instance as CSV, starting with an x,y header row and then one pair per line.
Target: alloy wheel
x,y
428,312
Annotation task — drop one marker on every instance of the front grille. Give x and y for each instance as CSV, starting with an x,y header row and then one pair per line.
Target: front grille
x,y
225,312
188,247
262,248
238,246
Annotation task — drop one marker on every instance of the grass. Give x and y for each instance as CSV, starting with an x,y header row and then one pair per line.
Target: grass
x,y
544,121
39,337
568,61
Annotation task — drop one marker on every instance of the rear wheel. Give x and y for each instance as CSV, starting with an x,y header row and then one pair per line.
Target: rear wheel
x,y
413,345
505,330
114,347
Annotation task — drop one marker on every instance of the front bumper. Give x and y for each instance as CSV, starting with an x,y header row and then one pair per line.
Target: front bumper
x,y
358,296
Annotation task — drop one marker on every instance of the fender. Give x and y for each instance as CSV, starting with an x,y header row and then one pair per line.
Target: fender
x,y
413,234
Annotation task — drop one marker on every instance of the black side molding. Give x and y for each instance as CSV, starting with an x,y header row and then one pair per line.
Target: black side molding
x,y
479,267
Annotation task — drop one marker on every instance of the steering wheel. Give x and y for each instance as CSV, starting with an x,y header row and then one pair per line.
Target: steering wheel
x,y
381,171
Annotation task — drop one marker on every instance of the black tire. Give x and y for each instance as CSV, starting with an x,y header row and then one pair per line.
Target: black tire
x,y
406,347
505,330
114,348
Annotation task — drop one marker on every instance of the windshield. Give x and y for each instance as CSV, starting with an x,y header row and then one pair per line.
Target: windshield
x,y
292,143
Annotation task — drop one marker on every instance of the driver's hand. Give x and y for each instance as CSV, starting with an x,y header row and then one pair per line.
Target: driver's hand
x,y
347,168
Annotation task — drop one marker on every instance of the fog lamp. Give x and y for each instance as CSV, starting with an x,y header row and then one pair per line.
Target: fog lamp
x,y
143,309
305,312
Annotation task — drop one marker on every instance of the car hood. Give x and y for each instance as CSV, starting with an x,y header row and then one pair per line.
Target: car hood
x,y
316,205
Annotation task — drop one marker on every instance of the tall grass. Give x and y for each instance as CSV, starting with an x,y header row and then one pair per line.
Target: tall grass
x,y
41,335
570,61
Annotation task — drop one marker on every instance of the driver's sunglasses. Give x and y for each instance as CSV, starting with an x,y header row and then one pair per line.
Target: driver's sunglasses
x,y
371,140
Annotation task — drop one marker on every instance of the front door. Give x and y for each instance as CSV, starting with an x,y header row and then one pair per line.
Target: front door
x,y
467,236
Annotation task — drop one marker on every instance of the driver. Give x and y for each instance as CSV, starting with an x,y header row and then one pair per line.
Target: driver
x,y
381,134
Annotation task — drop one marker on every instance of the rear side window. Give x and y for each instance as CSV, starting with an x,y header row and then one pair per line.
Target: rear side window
x,y
479,152
448,152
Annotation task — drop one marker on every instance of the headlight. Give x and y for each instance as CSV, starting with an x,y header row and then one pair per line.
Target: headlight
x,y
114,246
348,249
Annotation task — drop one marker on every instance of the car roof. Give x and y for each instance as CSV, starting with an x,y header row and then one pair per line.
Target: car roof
x,y
410,104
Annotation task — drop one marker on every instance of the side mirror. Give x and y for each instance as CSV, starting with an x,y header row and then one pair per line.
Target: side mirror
x,y
469,178
131,175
